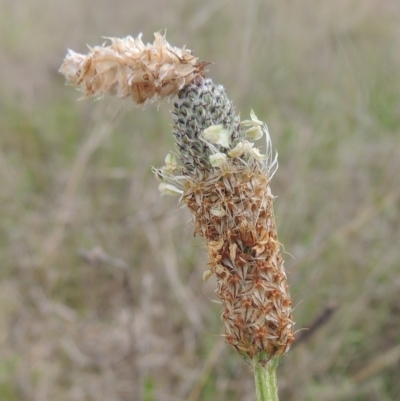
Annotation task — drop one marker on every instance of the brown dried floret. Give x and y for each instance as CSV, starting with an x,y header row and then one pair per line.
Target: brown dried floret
x,y
128,67
244,252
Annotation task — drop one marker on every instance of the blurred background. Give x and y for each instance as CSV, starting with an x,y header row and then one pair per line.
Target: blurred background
x,y
101,291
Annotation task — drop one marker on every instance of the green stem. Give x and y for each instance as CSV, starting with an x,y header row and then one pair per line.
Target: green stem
x,y
265,377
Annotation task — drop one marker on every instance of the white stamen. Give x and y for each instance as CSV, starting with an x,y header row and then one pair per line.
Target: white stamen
x,y
218,134
169,189
218,160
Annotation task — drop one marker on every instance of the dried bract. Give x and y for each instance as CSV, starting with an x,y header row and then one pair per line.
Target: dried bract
x,y
128,67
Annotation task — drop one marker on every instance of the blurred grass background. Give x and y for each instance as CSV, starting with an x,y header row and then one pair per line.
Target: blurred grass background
x,y
101,292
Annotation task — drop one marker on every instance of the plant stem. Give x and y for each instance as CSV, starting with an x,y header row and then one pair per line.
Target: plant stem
x,y
265,377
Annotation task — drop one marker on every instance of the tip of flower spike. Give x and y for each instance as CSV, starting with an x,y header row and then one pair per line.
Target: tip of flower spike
x,y
128,67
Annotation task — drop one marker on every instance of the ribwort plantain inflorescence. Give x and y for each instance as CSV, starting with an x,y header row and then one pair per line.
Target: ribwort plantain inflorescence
x,y
221,177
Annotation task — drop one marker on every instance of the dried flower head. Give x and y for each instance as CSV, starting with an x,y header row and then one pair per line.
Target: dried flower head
x,y
128,67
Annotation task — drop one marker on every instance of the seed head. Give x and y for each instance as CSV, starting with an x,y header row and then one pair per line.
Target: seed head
x,y
128,67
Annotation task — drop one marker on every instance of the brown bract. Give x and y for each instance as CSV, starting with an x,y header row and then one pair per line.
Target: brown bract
x,y
128,67
244,253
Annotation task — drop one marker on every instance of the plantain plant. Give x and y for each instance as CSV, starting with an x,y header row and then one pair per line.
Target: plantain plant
x,y
222,178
